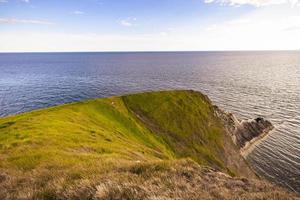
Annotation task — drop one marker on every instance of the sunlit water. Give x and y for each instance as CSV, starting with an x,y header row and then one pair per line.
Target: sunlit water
x,y
248,84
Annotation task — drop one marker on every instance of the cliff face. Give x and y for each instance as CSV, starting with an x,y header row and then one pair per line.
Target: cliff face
x,y
248,130
128,147
244,132
186,121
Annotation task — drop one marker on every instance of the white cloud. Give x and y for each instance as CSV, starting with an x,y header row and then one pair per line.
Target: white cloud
x,y
292,28
236,37
257,3
267,28
276,28
125,23
51,42
5,1
23,21
164,34
128,22
78,12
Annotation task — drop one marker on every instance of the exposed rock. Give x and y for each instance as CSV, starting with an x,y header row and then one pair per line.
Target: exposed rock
x,y
248,130
244,131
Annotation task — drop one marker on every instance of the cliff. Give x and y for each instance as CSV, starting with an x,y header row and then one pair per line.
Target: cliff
x,y
129,147
244,133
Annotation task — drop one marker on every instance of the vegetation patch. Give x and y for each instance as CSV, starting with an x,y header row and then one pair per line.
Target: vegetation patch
x,y
65,151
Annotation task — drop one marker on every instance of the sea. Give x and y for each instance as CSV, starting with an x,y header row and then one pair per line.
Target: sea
x,y
248,84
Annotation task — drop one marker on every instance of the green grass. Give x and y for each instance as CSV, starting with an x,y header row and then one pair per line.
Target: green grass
x,y
102,134
186,122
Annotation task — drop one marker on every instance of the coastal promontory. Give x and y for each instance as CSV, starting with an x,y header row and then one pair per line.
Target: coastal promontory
x,y
152,145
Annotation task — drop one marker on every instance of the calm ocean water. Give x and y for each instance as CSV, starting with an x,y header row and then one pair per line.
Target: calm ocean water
x,y
248,84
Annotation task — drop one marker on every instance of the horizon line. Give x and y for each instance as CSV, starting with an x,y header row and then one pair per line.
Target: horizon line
x,y
152,51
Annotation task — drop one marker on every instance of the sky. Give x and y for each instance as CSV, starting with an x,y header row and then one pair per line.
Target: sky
x,y
148,25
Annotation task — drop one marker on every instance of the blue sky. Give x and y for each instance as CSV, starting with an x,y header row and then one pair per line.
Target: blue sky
x,y
148,25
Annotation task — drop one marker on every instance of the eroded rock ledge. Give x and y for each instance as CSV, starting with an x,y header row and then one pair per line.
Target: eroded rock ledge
x,y
244,132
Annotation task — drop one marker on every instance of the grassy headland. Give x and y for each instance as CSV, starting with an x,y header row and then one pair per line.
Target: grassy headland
x,y
47,152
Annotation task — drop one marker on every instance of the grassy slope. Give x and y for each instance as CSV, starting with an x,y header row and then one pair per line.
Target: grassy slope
x,y
90,131
147,126
92,137
185,120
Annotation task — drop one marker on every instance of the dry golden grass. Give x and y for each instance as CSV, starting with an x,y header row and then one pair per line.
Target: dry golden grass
x,y
161,180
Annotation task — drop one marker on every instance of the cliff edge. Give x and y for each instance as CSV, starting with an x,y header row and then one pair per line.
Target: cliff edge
x,y
153,145
244,133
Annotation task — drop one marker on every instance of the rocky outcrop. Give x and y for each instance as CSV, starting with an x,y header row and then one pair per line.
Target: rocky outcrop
x,y
244,132
247,130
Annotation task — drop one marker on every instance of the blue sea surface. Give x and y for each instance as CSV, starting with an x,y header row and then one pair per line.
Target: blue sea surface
x,y
248,84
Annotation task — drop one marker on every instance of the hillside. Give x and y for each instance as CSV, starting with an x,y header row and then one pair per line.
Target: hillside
x,y
67,151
